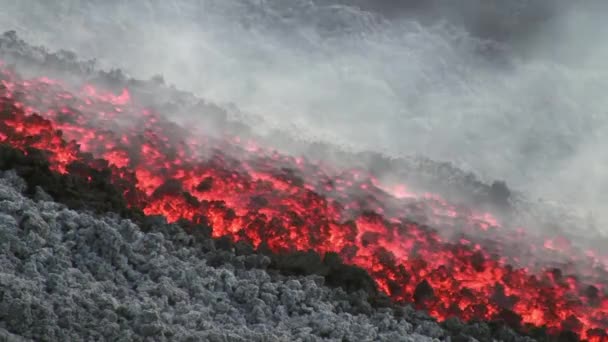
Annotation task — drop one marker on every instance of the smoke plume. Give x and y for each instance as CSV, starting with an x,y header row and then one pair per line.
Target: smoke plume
x,y
510,90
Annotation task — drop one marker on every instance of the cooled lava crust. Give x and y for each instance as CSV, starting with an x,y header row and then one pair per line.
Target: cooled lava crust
x,y
450,260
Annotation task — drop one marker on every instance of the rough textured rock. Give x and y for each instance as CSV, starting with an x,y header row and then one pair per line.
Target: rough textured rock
x,y
68,276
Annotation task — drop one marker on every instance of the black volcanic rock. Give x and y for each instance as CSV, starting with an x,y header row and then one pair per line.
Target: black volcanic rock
x,y
423,292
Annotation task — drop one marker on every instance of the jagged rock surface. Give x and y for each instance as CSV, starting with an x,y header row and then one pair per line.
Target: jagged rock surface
x,y
68,276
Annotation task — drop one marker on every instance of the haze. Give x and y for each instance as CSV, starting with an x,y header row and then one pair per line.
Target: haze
x,y
512,90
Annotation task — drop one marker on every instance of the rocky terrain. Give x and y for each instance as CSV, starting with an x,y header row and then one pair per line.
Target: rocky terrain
x,y
67,275
76,264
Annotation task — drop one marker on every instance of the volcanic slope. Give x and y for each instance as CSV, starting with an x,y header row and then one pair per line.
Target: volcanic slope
x,y
68,276
34,131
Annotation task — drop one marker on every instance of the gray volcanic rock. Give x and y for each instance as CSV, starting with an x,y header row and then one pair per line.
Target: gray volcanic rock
x,y
70,276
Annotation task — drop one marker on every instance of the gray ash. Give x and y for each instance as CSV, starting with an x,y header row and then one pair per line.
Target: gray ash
x,y
69,275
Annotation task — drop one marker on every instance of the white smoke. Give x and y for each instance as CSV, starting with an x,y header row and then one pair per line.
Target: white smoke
x,y
511,91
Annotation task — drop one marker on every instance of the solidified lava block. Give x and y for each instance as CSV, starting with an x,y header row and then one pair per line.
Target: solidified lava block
x,y
423,292
336,273
300,263
349,277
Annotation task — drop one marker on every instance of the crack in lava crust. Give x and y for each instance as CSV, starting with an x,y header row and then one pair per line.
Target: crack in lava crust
x,y
287,203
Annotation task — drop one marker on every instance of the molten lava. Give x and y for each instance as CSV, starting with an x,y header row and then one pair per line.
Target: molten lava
x,y
261,196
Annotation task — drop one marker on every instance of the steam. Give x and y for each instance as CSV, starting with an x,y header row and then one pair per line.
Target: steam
x,y
510,90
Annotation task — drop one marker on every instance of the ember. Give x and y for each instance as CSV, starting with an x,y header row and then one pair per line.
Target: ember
x,y
291,204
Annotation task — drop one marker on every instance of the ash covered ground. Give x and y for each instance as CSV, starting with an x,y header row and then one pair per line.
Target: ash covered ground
x,y
69,275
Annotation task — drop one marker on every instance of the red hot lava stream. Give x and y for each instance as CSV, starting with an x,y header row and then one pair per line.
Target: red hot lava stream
x,y
289,203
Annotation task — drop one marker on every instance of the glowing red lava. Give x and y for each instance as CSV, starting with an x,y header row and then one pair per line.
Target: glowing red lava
x,y
290,203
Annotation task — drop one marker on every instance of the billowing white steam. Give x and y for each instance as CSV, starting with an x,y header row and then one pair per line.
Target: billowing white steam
x,y
488,85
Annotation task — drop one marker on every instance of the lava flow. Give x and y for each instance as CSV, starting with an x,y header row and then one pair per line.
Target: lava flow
x,y
287,203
